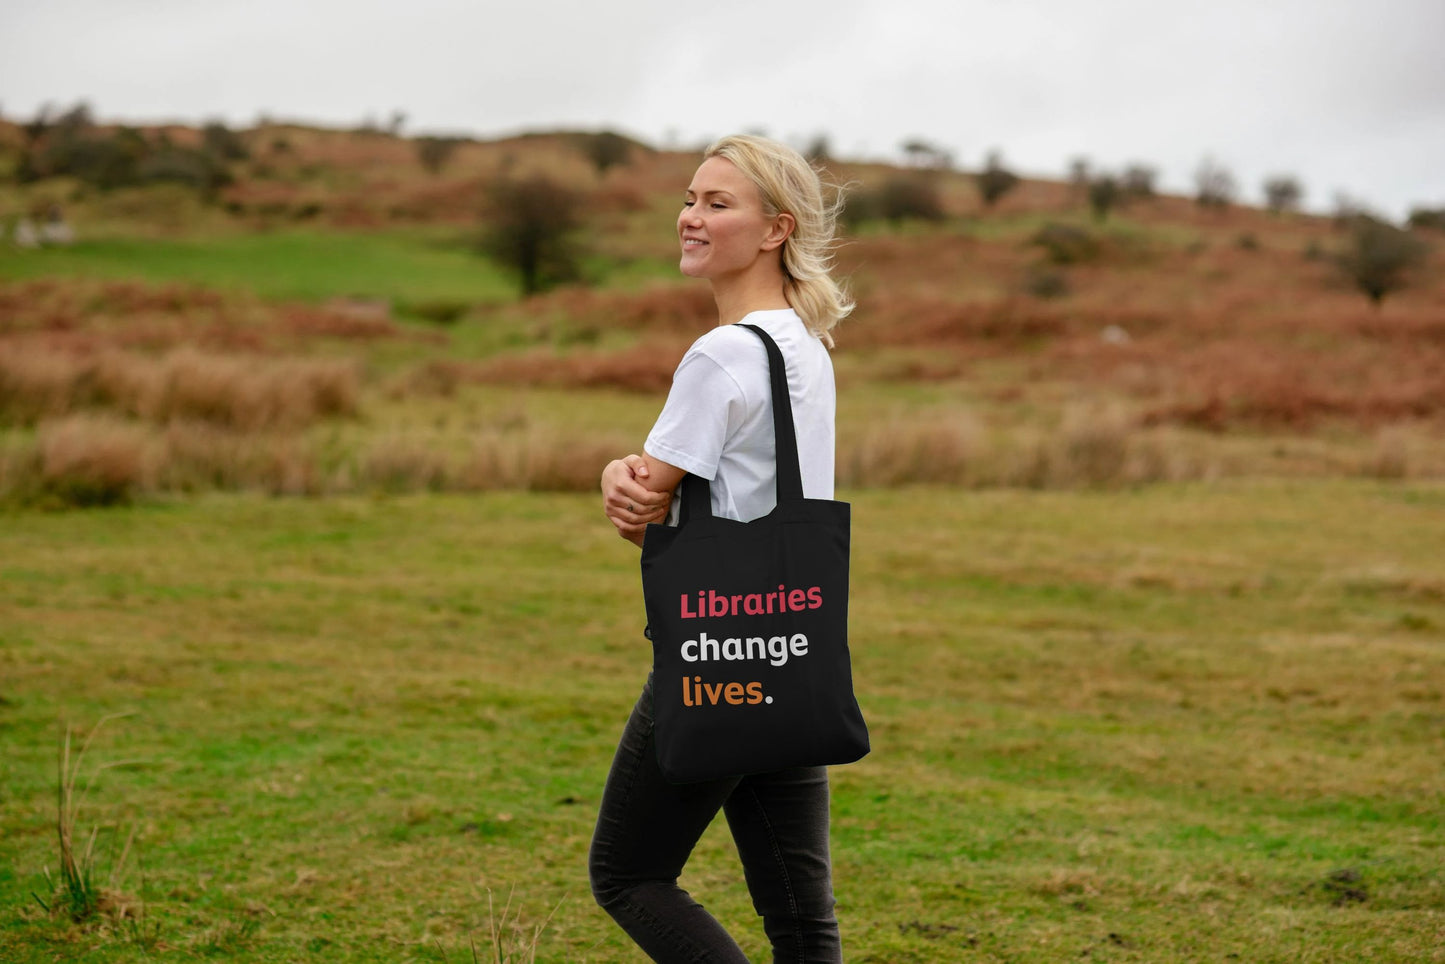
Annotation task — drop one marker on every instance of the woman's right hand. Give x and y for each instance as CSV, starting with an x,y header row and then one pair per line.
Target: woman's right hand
x,y
628,504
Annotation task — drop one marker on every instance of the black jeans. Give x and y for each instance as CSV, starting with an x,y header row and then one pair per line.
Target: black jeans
x,y
647,828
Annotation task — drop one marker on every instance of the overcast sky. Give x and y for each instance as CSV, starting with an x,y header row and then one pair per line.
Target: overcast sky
x,y
1347,95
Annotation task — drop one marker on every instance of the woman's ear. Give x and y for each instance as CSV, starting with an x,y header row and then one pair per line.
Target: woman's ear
x,y
781,230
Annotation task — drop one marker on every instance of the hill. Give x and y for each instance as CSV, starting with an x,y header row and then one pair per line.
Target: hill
x,y
1021,343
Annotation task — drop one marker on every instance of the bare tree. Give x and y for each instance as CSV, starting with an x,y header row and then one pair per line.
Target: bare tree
x,y
1215,186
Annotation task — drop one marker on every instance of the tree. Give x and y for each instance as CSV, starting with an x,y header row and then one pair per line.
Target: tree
x,y
1104,195
920,153
529,227
820,150
605,150
1215,185
1282,192
434,152
35,129
994,181
1138,181
1379,257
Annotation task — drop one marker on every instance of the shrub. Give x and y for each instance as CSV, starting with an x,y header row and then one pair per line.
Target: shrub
x,y
994,181
1379,257
197,169
901,197
79,151
223,143
1045,282
1105,193
73,146
1430,218
529,227
434,152
1065,243
438,310
1282,193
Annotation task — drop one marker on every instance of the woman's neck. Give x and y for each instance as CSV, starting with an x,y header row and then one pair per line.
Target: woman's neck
x,y
736,301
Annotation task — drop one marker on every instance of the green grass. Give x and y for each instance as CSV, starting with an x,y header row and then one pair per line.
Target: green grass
x,y
302,265
1192,723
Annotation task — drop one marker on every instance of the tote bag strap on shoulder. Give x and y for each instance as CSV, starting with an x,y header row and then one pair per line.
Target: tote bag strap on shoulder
x,y
697,493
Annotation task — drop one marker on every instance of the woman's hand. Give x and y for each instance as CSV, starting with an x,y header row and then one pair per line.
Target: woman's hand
x,y
627,502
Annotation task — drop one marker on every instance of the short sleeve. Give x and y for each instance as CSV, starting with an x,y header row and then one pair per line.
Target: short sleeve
x,y
703,408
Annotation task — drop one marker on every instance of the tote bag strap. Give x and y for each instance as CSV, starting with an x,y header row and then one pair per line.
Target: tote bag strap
x,y
697,493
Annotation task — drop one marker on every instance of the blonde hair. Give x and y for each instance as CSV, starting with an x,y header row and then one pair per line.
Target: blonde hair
x,y
789,185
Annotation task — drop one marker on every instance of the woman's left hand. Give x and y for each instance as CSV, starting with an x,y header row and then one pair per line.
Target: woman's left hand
x,y
628,504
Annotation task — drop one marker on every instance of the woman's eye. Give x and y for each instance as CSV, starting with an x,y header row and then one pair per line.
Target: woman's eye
x,y
718,206
687,204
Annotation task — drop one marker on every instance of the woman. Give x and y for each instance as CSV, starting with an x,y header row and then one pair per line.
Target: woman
x,y
754,224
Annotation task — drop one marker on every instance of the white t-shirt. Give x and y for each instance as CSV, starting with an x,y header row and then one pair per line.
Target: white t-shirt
x,y
718,420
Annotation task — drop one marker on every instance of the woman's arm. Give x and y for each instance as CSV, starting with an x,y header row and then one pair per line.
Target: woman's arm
x,y
637,490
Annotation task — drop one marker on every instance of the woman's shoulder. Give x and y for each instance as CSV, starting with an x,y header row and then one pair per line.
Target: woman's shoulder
x,y
726,344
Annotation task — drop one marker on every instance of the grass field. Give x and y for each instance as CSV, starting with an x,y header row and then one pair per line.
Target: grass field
x,y
1154,663
1176,723
301,265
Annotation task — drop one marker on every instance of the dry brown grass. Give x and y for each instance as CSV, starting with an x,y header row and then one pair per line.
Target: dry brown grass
x,y
238,392
1093,446
95,461
646,367
898,450
88,316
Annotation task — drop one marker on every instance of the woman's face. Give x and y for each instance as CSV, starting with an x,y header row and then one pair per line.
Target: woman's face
x,y
723,228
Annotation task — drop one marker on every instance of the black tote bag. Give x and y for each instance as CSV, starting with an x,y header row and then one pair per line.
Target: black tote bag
x,y
749,627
